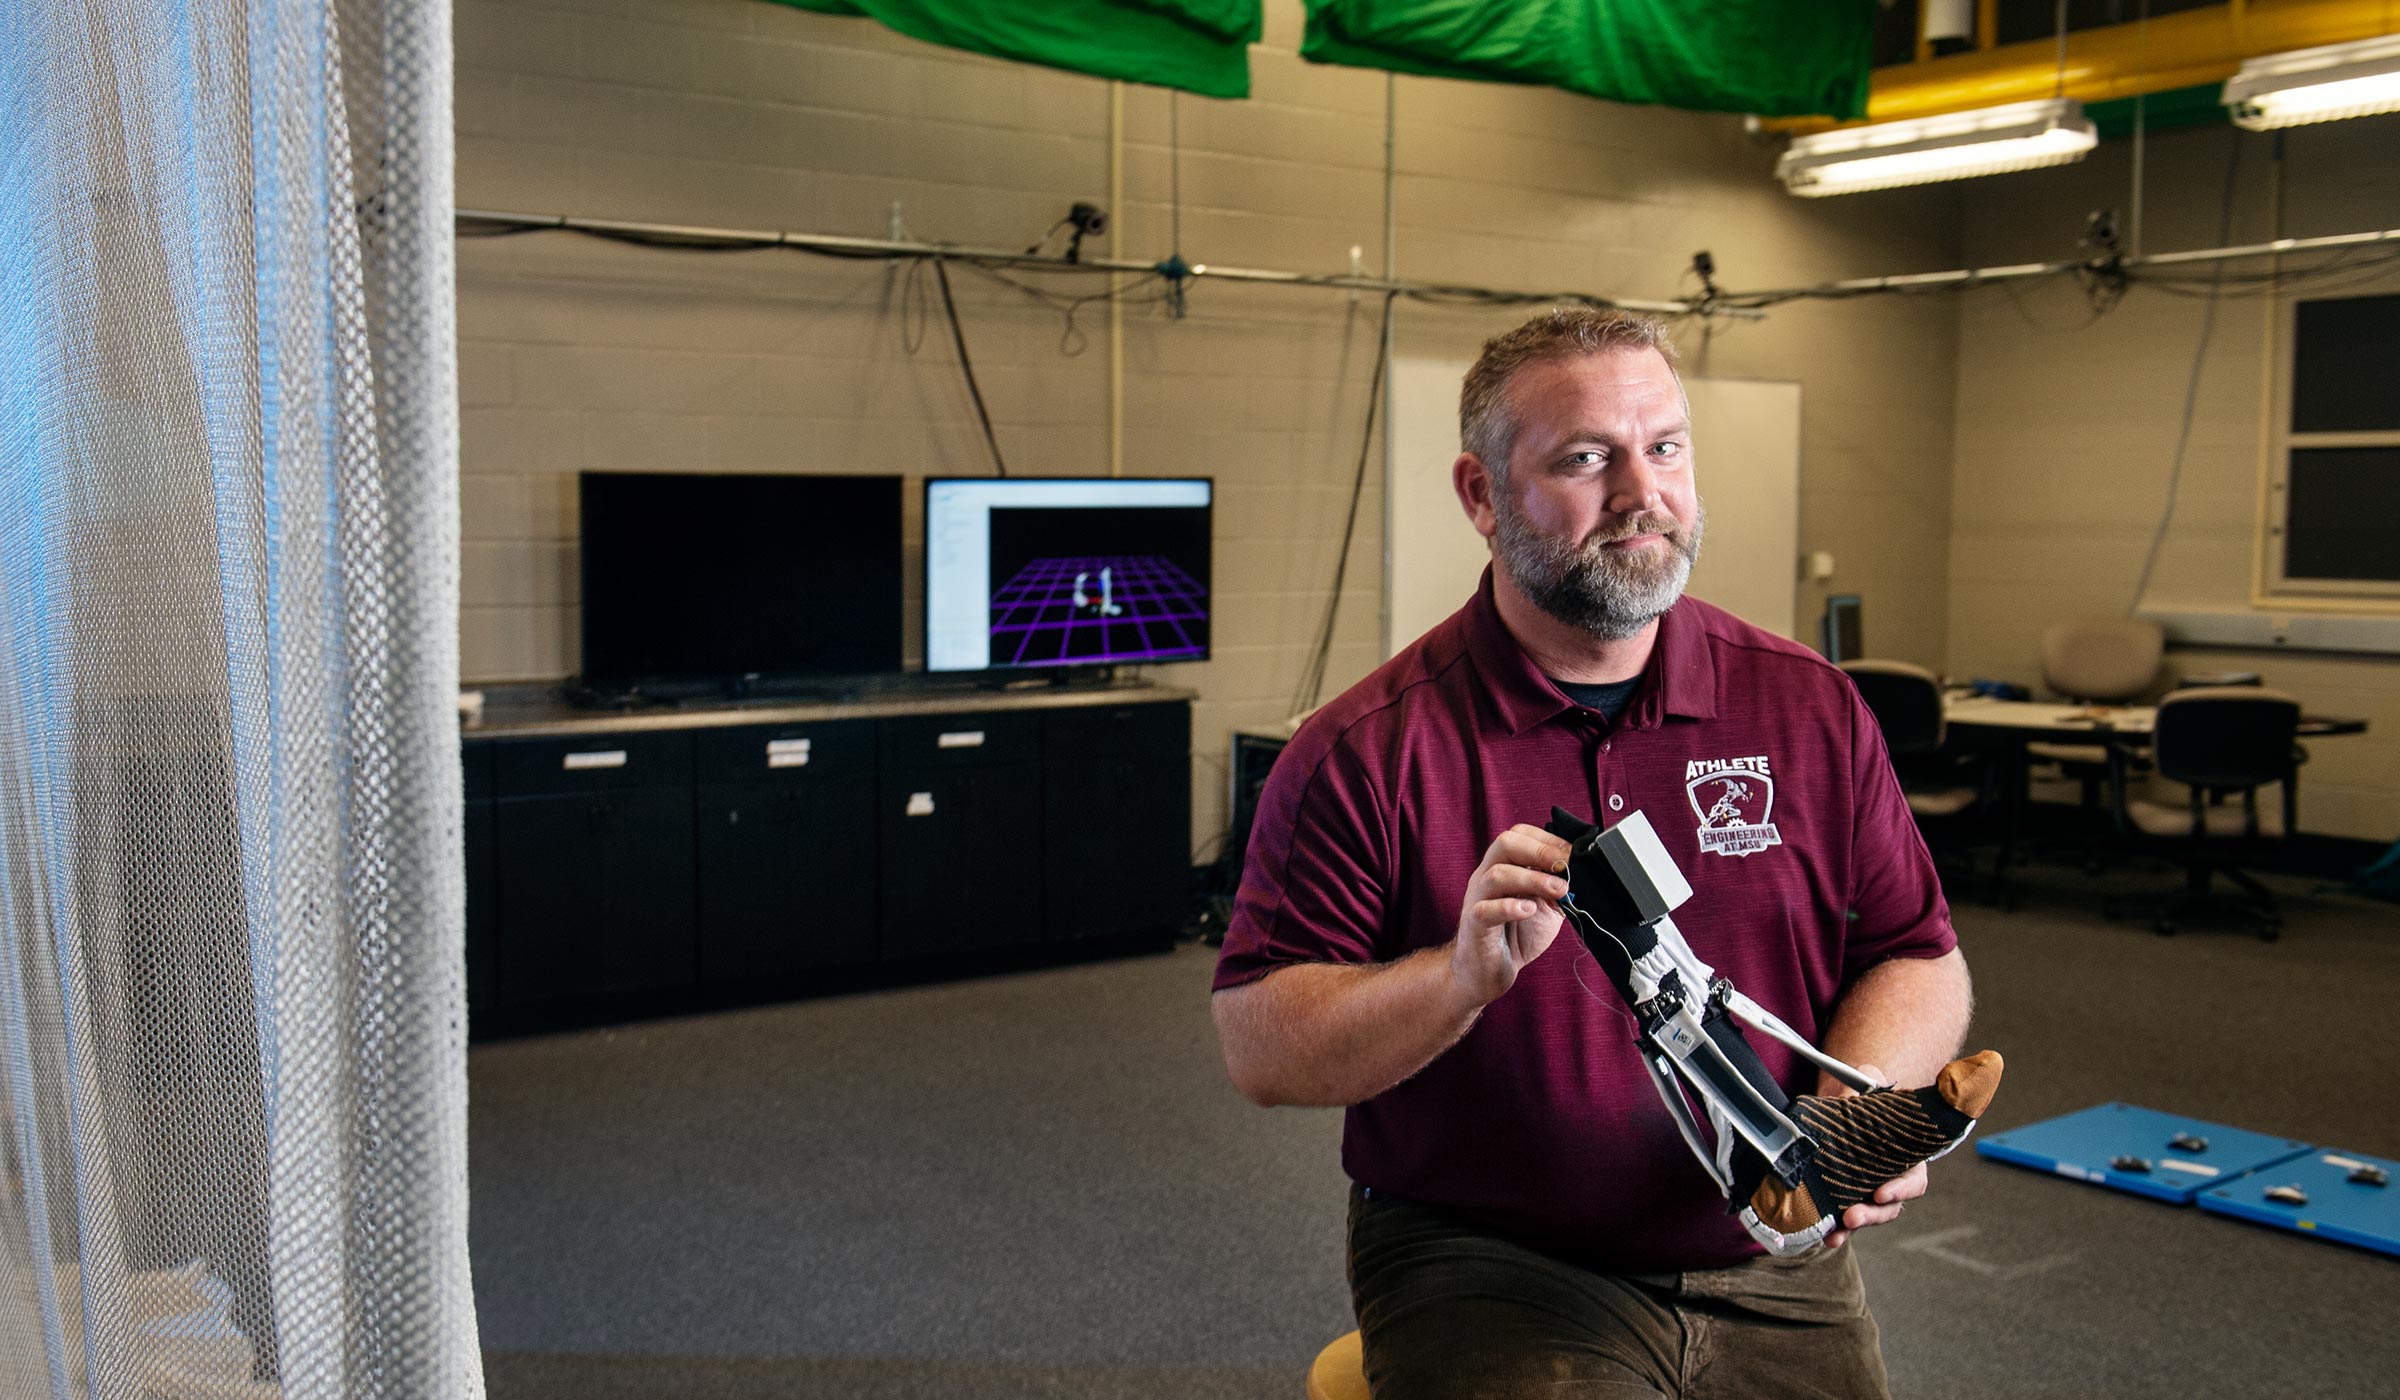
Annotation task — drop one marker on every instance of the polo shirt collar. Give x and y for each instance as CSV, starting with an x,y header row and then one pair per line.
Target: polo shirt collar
x,y
1680,680
1683,667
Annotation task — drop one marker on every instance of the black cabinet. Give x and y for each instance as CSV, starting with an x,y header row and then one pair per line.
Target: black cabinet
x,y
959,813
786,828
483,948
666,868
1116,820
594,844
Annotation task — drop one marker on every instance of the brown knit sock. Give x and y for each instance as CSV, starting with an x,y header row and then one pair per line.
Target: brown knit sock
x,y
1865,1140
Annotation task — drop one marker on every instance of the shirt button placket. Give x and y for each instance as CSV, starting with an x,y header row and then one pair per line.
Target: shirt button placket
x,y
1604,783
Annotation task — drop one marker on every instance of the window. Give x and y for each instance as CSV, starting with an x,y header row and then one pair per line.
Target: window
x,y
2333,512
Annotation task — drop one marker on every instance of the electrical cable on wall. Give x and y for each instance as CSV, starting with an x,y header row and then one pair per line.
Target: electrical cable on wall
x,y
1312,672
2191,389
966,363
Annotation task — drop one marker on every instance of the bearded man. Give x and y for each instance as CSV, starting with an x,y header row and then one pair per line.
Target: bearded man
x,y
1525,1217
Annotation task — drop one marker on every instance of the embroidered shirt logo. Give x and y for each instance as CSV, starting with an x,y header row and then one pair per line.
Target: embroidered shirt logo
x,y
1733,798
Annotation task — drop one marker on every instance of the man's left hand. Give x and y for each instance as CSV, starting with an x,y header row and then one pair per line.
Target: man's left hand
x,y
1884,1207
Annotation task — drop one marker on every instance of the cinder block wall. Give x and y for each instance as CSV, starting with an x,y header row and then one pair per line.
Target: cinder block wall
x,y
578,355
2067,424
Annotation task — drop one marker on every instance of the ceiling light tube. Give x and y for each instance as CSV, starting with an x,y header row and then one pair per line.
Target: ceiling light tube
x,y
2317,85
1952,146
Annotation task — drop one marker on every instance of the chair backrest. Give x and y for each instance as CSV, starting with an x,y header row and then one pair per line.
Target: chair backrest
x,y
2102,658
1907,701
2225,738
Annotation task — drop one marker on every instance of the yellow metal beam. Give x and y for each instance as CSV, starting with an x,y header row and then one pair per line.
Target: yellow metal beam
x,y
2123,60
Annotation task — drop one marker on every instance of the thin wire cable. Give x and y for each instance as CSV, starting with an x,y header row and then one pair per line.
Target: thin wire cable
x,y
958,336
2191,390
2141,125
2017,302
2061,89
1072,341
912,297
1312,674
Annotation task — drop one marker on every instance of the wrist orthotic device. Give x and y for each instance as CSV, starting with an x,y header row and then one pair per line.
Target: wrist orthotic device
x,y
1789,1166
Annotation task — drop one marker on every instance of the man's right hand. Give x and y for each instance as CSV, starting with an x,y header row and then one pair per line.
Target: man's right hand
x,y
1511,912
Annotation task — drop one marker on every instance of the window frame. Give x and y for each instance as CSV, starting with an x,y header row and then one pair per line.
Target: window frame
x,y
2275,582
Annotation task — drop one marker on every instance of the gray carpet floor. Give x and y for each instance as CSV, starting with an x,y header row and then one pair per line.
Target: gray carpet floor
x,y
1042,1186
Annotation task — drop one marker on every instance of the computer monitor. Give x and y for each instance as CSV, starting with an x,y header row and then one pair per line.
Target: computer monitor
x,y
706,579
1842,629
1065,571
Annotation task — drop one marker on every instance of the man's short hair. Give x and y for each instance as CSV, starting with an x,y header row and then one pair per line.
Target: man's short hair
x,y
1485,425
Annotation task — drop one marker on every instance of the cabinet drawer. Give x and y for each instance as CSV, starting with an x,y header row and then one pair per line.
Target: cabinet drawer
x,y
787,876
1116,844
483,947
1115,730
596,894
959,863
765,753
596,763
477,763
919,742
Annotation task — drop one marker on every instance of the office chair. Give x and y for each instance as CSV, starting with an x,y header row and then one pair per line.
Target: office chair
x,y
1907,703
2097,660
2220,744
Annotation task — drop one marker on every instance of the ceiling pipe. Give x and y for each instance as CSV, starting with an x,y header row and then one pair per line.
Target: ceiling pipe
x,y
487,220
2179,50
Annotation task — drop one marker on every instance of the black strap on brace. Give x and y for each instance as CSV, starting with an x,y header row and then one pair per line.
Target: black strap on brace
x,y
1600,896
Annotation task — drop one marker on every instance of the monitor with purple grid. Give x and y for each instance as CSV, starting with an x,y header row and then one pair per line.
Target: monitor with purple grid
x,y
1028,572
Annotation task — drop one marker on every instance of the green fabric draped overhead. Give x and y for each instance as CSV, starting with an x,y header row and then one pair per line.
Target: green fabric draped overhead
x,y
1201,46
1776,58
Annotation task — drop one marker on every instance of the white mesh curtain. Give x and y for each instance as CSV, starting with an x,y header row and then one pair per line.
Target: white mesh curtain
x,y
232,1062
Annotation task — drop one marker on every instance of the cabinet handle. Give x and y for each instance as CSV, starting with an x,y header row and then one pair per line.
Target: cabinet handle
x,y
607,758
960,739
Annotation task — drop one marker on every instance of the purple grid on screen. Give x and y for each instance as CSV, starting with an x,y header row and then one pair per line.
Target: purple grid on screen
x,y
1035,621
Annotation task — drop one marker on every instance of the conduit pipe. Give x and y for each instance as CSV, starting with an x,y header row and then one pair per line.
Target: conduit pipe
x,y
2010,272
1010,257
2180,50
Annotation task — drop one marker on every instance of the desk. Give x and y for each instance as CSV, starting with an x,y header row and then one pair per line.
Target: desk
x,y
2014,722
2027,719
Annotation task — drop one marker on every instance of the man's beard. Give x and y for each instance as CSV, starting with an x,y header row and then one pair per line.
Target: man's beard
x,y
1610,594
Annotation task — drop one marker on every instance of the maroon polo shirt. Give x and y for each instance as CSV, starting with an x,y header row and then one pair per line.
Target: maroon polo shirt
x,y
1762,773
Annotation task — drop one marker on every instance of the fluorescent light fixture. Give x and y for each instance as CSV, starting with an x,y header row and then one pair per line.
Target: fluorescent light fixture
x,y
2317,85
1953,146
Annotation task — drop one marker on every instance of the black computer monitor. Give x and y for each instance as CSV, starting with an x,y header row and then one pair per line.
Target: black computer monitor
x,y
1843,641
1065,571
701,578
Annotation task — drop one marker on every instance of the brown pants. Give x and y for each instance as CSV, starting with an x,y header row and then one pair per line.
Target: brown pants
x,y
1448,1310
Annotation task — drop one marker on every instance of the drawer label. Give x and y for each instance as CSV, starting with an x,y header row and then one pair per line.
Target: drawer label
x,y
787,753
607,758
960,739
920,804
